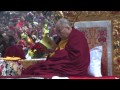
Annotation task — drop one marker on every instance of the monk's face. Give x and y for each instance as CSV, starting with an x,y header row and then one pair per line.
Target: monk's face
x,y
63,31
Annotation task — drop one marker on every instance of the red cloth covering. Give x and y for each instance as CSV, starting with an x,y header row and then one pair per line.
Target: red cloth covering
x,y
38,47
71,61
15,51
75,78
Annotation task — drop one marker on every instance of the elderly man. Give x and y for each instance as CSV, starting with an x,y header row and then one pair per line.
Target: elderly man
x,y
70,58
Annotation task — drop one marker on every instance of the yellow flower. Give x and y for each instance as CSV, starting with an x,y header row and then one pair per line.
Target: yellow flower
x,y
31,53
34,50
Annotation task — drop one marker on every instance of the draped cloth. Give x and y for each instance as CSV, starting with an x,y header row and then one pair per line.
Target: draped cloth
x,y
72,60
16,51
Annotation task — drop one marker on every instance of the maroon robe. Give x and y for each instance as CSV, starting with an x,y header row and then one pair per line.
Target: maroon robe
x,y
16,51
71,61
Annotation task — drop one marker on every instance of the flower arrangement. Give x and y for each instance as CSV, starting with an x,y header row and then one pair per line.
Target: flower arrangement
x,y
37,51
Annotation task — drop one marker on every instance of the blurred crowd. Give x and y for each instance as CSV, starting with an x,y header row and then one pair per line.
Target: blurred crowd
x,y
29,22
27,27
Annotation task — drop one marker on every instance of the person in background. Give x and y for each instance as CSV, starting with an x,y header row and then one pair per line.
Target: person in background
x,y
70,58
3,45
14,50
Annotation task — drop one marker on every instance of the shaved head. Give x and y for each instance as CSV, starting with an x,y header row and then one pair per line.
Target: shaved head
x,y
63,28
63,22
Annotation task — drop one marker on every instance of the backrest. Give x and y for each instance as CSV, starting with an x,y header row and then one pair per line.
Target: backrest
x,y
99,33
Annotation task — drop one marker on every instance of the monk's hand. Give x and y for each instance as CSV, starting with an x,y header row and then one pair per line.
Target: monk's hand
x,y
49,51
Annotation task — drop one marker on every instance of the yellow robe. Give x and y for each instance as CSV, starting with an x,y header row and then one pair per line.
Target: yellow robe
x,y
60,46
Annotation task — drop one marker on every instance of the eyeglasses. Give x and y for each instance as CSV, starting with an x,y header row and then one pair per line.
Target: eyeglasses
x,y
59,30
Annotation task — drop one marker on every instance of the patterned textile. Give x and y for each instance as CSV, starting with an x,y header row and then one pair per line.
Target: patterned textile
x,y
14,68
10,68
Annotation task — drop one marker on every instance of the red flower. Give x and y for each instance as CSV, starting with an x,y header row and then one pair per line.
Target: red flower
x,y
118,61
103,39
22,42
38,47
38,50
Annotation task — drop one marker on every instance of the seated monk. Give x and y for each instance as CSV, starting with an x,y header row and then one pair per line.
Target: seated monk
x,y
70,58
14,50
